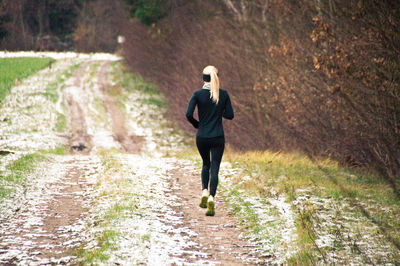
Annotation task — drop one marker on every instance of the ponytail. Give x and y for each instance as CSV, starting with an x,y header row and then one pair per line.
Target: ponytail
x,y
214,82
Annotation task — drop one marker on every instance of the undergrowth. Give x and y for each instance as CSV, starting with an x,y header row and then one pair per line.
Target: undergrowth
x,y
106,236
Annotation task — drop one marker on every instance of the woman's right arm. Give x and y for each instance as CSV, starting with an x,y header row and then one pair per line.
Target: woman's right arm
x,y
228,112
190,111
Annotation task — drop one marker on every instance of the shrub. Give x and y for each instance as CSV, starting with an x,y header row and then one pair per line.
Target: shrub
x,y
318,77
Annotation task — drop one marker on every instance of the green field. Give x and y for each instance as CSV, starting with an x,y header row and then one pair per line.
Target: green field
x,y
16,69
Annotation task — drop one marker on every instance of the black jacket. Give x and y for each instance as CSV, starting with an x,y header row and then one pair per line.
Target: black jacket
x,y
210,113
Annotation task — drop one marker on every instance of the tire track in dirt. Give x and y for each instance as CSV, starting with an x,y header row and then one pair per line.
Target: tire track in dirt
x,y
129,143
80,140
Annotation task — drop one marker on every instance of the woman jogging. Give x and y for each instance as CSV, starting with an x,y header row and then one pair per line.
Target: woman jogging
x,y
212,104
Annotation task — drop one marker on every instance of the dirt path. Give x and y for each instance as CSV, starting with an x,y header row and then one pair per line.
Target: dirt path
x,y
52,222
218,235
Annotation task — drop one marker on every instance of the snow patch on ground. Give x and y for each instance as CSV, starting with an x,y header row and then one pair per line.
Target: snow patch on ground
x,y
98,120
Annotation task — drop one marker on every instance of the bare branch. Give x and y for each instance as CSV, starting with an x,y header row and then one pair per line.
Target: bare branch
x,y
244,8
232,7
264,8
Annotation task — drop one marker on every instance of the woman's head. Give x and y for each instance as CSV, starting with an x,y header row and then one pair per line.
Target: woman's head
x,y
210,75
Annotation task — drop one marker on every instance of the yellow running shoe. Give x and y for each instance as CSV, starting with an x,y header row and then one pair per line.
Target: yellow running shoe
x,y
210,206
204,197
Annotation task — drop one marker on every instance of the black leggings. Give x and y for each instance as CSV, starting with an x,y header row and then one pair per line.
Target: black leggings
x,y
216,147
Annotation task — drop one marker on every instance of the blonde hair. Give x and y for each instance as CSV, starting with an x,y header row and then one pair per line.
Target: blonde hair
x,y
214,91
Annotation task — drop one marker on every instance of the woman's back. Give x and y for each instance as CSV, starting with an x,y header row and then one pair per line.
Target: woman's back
x,y
210,113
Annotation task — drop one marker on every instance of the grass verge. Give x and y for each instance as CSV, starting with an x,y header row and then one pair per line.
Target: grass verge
x,y
15,69
61,150
105,234
105,241
61,124
135,82
16,172
52,89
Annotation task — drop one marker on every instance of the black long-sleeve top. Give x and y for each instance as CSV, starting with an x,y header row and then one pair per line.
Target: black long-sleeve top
x,y
210,113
